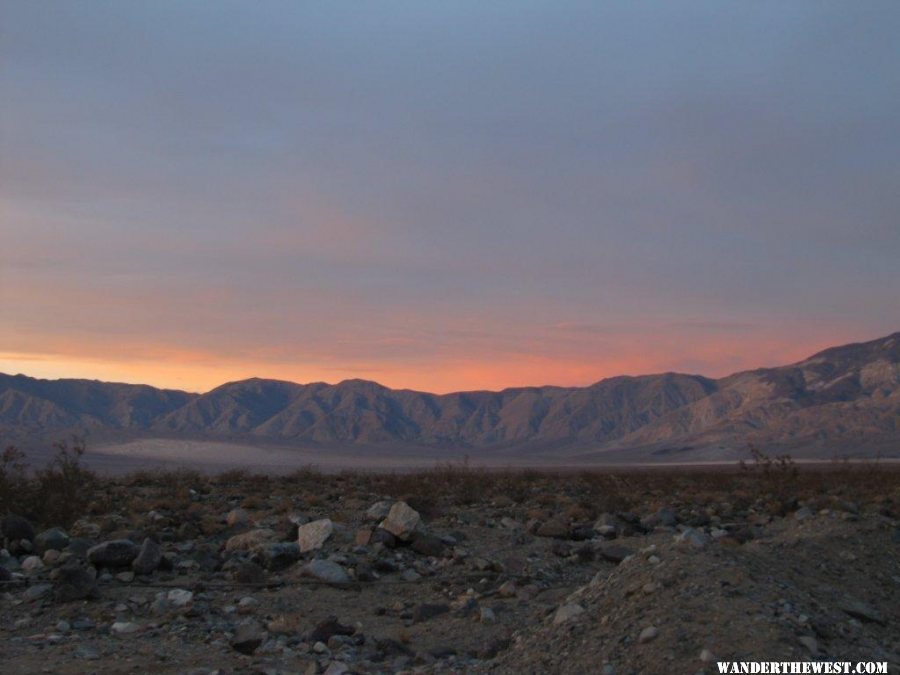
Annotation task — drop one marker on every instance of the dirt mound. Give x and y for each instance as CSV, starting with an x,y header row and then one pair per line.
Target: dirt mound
x,y
824,587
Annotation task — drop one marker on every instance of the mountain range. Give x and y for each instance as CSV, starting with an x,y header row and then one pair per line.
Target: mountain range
x,y
844,400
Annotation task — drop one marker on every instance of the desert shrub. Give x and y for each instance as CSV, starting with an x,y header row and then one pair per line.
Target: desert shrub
x,y
13,478
57,494
778,475
64,488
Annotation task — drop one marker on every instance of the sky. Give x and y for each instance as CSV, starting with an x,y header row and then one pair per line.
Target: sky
x,y
444,195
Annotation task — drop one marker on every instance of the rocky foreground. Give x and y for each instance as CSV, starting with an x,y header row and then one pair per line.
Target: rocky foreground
x,y
455,571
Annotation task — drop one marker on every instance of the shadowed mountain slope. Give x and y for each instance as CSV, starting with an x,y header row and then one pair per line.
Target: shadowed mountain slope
x,y
848,394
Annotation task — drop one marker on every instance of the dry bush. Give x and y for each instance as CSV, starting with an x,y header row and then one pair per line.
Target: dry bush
x,y
57,494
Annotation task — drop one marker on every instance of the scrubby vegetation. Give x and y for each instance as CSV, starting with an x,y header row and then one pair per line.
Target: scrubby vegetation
x,y
56,494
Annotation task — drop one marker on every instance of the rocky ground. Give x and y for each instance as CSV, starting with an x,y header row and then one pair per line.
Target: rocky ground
x,y
457,570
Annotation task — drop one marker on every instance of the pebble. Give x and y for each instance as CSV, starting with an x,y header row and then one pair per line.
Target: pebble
x,y
124,627
810,643
648,634
693,537
179,598
32,564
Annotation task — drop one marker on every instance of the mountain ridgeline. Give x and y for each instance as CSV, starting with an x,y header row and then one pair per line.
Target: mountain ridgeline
x,y
844,397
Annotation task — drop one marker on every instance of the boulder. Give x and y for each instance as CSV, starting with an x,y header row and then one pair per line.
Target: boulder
x,y
54,539
74,583
402,521
312,536
115,553
15,527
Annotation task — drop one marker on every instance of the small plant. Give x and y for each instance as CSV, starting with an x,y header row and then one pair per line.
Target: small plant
x,y
57,494
778,474
13,478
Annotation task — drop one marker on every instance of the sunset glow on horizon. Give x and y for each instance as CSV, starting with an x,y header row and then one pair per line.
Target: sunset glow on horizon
x,y
443,197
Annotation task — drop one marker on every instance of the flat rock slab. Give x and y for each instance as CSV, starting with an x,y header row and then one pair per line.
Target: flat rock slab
x,y
115,553
862,611
327,571
312,536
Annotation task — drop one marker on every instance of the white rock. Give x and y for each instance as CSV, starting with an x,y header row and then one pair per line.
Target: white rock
x,y
247,605
566,613
313,535
327,571
401,521
693,537
648,634
124,627
32,564
336,668
179,597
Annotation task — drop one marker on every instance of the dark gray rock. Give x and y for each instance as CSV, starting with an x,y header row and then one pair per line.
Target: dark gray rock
x,y
328,628
427,611
613,552
555,529
54,538
862,611
381,536
247,638
278,556
79,546
115,553
248,572
75,583
14,527
428,544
